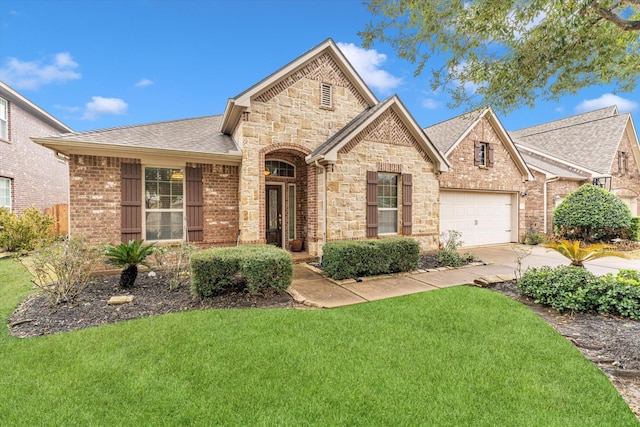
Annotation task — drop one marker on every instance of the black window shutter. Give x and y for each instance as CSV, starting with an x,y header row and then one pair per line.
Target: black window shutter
x,y
476,153
372,204
195,220
407,188
130,202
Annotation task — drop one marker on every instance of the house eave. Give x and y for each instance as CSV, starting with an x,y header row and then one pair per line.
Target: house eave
x,y
69,148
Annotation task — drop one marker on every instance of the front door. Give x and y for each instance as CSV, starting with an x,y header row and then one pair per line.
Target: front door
x,y
274,215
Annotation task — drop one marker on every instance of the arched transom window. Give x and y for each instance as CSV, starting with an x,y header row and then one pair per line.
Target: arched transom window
x,y
279,168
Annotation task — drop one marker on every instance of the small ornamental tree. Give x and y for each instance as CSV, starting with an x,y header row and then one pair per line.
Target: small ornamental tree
x,y
592,214
129,256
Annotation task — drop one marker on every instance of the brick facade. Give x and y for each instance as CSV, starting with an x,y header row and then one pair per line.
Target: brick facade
x,y
38,177
95,196
503,176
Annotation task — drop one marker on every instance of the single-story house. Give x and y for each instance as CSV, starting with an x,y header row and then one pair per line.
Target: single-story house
x,y
306,153
598,147
483,194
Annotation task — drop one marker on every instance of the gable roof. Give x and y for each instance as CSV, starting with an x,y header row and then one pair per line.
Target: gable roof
x,y
240,103
11,95
589,116
550,169
448,134
195,138
328,151
587,141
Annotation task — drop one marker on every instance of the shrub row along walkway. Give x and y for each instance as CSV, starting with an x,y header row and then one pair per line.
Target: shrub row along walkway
x,y
312,288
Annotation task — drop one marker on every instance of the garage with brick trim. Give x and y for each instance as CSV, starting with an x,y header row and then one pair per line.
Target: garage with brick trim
x,y
483,218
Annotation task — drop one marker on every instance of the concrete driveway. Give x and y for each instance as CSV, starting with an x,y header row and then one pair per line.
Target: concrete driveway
x,y
312,288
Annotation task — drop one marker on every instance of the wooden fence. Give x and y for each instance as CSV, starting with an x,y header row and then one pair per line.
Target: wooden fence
x,y
60,215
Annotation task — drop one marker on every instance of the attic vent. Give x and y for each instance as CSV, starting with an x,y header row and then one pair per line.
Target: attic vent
x,y
326,100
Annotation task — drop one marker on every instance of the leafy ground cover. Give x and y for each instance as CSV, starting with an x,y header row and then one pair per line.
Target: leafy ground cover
x,y
460,356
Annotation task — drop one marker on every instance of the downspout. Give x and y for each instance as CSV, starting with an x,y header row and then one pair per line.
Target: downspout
x,y
324,210
544,187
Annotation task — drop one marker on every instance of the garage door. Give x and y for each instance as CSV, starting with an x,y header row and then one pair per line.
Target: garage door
x,y
482,218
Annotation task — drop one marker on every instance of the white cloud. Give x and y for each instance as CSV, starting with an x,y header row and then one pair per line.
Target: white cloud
x,y
367,63
144,82
33,74
100,105
431,104
607,100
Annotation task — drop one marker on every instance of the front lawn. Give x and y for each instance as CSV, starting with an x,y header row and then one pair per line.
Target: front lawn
x,y
459,356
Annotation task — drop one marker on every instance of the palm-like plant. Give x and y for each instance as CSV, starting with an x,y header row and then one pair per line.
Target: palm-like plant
x,y
129,256
579,254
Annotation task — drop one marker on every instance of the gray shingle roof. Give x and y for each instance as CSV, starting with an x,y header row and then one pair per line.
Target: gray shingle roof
x,y
567,121
446,133
197,135
339,137
589,144
549,167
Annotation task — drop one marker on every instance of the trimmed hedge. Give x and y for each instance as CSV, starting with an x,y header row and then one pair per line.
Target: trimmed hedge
x,y
634,230
262,267
351,258
575,288
591,214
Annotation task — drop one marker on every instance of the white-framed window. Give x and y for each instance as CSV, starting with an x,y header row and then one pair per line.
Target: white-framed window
x,y
387,203
4,119
279,168
292,211
5,193
326,95
482,154
163,203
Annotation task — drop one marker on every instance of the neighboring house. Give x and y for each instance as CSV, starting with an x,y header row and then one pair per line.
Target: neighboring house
x,y
598,147
30,175
308,152
482,195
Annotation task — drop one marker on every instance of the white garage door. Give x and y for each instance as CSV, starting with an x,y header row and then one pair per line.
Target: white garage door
x,y
482,218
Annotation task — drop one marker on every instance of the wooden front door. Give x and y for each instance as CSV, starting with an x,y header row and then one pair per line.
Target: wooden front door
x,y
274,215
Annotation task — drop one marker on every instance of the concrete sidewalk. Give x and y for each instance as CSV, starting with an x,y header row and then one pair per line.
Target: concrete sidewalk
x,y
310,287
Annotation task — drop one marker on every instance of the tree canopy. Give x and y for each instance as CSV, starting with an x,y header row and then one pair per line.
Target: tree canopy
x,y
509,53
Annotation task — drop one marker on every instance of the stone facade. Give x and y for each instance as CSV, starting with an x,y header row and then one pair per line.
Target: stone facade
x,y
38,177
384,146
288,122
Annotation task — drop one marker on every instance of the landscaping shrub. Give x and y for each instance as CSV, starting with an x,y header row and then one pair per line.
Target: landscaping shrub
x,y
534,237
575,288
354,258
129,256
448,253
578,253
592,213
263,267
63,270
24,232
173,261
634,230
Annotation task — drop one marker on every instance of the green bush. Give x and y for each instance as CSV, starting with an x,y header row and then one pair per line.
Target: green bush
x,y
263,267
449,243
634,230
24,232
450,258
575,288
352,258
128,256
590,214
534,238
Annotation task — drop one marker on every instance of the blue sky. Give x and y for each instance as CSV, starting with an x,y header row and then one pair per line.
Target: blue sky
x,y
98,64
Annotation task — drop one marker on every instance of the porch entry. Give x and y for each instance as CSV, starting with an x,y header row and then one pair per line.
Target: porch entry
x,y
274,214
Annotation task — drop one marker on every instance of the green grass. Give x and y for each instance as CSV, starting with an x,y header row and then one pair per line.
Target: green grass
x,y
460,356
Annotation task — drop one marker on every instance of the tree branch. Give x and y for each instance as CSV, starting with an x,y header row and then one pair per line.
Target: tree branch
x,y
616,20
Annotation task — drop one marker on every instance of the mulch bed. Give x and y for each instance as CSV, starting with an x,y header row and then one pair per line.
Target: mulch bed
x,y
612,344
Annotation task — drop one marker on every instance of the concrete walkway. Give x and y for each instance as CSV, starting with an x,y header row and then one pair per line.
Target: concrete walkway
x,y
310,287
